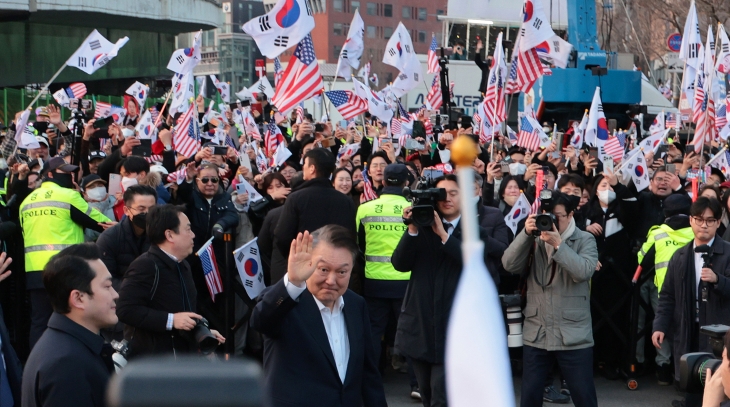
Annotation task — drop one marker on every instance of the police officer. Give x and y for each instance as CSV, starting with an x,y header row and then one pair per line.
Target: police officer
x,y
53,217
379,230
661,243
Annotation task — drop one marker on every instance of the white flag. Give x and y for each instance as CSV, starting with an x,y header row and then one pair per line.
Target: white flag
x,y
723,59
722,164
636,166
555,51
146,127
658,125
245,94
95,52
24,135
580,132
399,53
61,97
183,90
223,88
353,48
263,86
140,92
597,129
288,22
691,39
200,80
536,25
364,73
248,263
520,210
281,155
184,60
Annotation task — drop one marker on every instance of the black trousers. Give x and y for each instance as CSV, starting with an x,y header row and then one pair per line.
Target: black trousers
x,y
432,383
576,367
40,313
381,310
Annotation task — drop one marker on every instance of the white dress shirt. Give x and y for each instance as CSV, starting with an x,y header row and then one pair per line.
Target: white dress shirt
x,y
334,325
698,272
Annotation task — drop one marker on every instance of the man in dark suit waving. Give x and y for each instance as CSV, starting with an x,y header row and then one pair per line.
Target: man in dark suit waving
x,y
317,349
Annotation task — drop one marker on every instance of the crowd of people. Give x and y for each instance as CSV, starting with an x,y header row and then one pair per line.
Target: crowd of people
x,y
353,230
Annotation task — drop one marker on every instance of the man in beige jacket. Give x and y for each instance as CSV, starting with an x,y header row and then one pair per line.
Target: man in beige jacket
x,y
557,315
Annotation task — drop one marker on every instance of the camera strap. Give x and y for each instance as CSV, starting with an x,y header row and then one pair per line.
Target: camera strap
x,y
552,276
155,283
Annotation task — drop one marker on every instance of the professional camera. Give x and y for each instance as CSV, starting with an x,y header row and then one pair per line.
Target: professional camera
x,y
424,201
120,356
545,221
693,366
202,336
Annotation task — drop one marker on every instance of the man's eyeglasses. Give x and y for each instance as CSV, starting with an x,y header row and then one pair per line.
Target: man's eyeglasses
x,y
710,222
206,180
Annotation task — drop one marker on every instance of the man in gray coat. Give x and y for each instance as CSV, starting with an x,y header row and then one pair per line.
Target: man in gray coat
x,y
558,313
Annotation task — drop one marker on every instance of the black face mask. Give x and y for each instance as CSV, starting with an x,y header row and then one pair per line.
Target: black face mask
x,y
140,220
64,180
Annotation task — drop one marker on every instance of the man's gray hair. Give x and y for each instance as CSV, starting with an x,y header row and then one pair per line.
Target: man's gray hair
x,y
336,236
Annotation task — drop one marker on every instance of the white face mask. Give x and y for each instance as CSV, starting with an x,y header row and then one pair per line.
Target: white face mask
x,y
606,197
128,182
127,132
3,164
96,193
517,168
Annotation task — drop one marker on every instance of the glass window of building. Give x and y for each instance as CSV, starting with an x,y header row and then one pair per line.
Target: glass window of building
x,y
421,36
370,31
337,5
406,12
388,10
354,5
336,51
372,9
422,13
388,32
337,28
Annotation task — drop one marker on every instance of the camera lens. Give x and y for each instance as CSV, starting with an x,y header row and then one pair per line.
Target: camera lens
x,y
693,370
422,215
544,222
207,342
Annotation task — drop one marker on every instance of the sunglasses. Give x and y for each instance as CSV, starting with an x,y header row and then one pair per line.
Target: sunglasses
x,y
206,180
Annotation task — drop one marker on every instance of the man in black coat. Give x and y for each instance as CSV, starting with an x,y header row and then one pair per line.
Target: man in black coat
x,y
70,365
11,371
315,203
122,243
498,234
433,256
317,341
650,202
157,301
693,295
211,212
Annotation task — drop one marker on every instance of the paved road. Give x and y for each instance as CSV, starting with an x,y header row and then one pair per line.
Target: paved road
x,y
610,393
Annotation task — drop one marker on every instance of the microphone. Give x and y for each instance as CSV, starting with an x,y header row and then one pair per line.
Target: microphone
x,y
706,263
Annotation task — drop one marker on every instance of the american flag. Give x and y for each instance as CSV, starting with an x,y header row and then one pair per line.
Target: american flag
x,y
300,113
273,138
512,135
721,117
451,90
302,78
433,59
210,269
187,135
251,128
347,103
700,102
278,72
614,148
435,97
230,143
670,120
621,136
102,109
535,207
368,193
177,176
77,90
494,97
525,69
705,132
476,122
428,126
528,138
395,127
154,114
103,142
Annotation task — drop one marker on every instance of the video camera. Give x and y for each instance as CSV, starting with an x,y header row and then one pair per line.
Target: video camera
x,y
545,221
693,366
424,199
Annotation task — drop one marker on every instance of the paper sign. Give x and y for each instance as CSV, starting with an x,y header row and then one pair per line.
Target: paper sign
x,y
115,184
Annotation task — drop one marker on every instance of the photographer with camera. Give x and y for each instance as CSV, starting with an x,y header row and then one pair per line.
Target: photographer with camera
x,y
157,301
431,250
557,260
717,383
696,287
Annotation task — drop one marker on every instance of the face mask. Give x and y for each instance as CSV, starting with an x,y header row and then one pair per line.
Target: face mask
x,y
128,182
97,194
127,132
64,180
606,197
3,164
517,169
140,220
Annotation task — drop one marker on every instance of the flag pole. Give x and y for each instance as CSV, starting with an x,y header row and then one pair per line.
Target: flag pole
x,y
45,87
159,116
719,153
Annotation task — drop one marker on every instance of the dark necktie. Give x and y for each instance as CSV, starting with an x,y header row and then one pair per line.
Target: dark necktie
x,y
447,226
